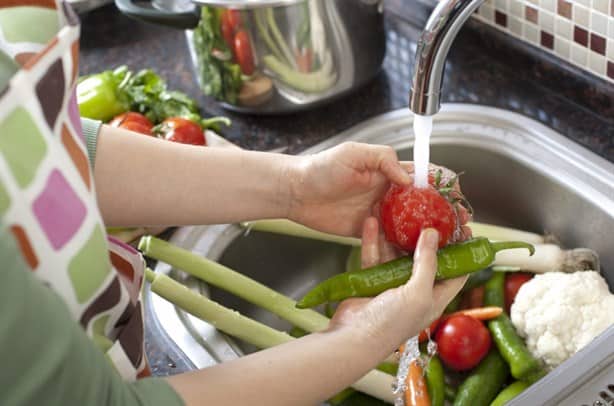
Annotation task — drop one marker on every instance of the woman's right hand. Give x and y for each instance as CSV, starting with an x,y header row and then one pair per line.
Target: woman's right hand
x,y
397,314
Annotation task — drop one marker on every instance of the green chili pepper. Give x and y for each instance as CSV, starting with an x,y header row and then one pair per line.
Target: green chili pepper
x,y
509,393
482,386
493,290
435,381
524,366
99,95
452,261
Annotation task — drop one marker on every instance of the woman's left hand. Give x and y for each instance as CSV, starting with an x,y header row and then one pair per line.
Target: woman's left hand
x,y
335,190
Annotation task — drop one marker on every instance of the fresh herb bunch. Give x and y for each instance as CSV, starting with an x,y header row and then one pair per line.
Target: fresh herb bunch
x,y
219,76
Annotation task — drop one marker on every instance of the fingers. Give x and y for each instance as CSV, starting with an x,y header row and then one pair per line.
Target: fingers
x,y
370,255
425,260
384,159
387,252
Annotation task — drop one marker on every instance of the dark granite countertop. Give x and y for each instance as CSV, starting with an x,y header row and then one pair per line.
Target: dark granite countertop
x,y
483,68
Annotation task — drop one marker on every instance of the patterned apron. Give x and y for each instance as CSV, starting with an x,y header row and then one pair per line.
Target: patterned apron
x,y
47,194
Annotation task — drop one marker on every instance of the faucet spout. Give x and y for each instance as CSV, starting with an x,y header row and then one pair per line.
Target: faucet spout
x,y
432,50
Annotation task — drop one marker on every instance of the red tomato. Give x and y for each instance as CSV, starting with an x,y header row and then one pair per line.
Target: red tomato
x,y
513,282
233,17
462,342
230,24
243,52
181,130
132,121
405,211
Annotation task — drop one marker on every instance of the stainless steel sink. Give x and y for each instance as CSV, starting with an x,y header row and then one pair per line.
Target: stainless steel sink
x,y
517,173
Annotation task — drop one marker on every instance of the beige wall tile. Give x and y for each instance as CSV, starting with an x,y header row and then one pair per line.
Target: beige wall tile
x,y
487,12
580,15
596,63
531,33
610,49
546,21
599,23
501,5
585,3
562,48
516,8
602,6
564,28
515,26
579,54
549,5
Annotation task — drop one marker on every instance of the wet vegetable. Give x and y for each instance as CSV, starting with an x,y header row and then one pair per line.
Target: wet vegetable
x,y
524,366
509,393
483,384
435,381
453,260
462,342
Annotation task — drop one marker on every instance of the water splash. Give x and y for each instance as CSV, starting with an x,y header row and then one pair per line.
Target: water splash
x,y
423,127
411,353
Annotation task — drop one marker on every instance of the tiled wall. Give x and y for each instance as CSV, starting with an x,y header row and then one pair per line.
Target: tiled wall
x,y
580,31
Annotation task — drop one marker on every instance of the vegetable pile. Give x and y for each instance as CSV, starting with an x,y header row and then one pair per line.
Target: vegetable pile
x,y
142,103
474,355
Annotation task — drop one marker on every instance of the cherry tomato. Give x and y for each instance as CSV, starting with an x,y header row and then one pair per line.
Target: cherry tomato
x,y
462,342
243,52
181,130
132,121
513,282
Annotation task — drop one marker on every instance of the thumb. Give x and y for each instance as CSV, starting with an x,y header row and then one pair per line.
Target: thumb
x,y
425,260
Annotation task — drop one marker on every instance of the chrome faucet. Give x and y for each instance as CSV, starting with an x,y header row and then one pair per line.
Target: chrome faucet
x,y
440,31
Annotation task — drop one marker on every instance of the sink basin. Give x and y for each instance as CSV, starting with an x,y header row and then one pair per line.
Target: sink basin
x,y
517,173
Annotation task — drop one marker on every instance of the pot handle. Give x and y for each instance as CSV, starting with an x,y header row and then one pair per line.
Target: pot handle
x,y
185,20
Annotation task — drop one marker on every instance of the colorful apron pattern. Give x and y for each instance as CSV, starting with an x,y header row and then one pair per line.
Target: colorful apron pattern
x,y
47,195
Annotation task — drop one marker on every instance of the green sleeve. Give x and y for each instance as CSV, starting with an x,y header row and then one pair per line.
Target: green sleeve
x,y
47,359
91,128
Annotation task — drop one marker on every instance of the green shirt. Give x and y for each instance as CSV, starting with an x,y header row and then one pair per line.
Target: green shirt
x,y
46,357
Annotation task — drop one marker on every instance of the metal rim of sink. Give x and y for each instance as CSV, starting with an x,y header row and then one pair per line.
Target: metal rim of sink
x,y
200,345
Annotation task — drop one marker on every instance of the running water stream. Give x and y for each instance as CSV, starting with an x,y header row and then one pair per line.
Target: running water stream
x,y
423,126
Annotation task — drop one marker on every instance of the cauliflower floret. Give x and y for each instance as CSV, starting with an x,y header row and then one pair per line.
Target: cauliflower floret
x,y
559,313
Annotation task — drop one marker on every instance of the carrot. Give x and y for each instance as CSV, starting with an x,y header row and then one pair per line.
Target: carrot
x,y
480,313
417,393
424,334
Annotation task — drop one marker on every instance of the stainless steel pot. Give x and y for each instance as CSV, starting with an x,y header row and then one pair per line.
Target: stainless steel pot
x,y
275,56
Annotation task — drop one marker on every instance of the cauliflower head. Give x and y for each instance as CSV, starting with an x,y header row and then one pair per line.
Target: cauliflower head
x,y
559,313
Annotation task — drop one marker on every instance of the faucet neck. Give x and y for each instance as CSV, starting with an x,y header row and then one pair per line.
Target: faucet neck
x,y
441,29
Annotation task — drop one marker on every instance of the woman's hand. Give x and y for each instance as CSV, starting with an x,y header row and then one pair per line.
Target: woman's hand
x,y
397,314
335,190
